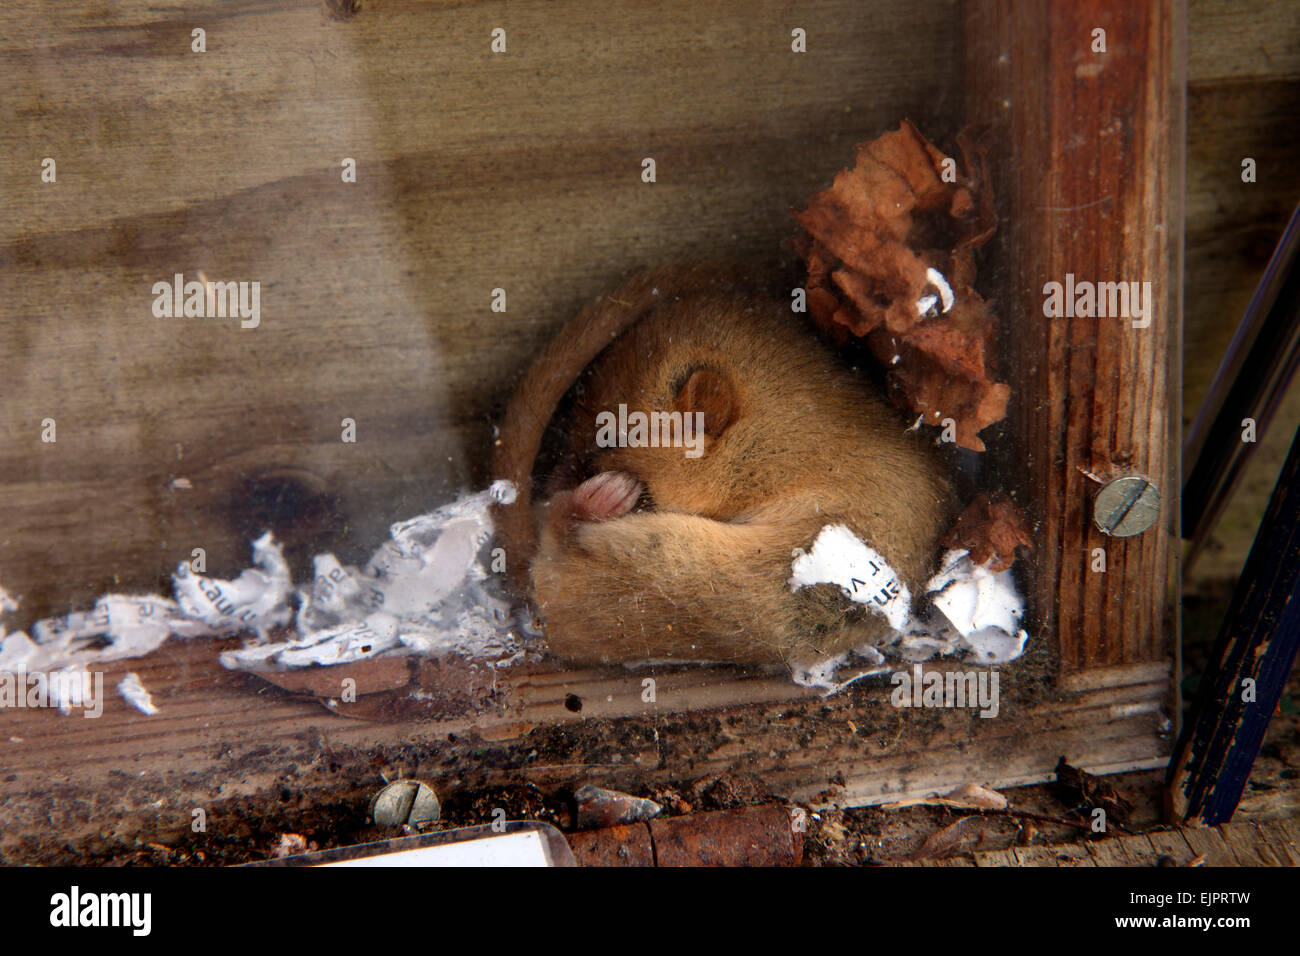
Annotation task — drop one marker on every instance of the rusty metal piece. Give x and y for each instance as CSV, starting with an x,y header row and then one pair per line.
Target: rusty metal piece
x,y
371,676
627,845
753,836
405,802
397,688
598,807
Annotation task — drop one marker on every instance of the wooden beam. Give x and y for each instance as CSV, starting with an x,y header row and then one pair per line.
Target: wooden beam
x,y
474,171
235,745
1240,844
1087,160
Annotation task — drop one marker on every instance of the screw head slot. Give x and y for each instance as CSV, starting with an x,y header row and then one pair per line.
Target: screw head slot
x,y
405,802
1126,506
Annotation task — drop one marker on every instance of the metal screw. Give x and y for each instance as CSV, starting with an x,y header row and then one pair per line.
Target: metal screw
x,y
1126,506
405,801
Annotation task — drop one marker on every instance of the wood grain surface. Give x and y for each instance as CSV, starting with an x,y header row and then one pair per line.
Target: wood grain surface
x,y
1243,100
1089,145
518,171
1275,843
475,171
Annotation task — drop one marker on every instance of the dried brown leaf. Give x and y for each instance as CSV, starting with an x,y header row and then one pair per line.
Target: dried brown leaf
x,y
991,530
1081,789
871,239
976,797
942,842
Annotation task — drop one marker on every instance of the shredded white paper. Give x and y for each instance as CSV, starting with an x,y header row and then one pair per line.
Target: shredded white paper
x,y
71,687
120,626
925,305
984,608
839,557
257,600
135,694
428,591
974,613
425,591
835,673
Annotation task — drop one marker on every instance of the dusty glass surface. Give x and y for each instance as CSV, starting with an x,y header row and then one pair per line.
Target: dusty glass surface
x,y
597,392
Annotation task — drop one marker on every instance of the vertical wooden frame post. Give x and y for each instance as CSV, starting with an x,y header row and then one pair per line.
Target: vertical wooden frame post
x,y
1085,104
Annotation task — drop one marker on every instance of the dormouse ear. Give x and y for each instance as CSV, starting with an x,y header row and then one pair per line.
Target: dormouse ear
x,y
708,392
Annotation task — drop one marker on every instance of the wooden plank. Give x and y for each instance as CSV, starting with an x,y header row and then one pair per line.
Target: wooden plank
x,y
1209,844
199,699
226,741
1070,854
1095,677
1264,843
1172,843
1237,41
1233,225
1122,850
1101,746
1232,228
1268,844
474,173
409,77
992,858
1244,81
1096,198
518,171
1287,843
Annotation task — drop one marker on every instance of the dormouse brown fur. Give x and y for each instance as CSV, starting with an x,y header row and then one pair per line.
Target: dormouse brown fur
x,y
664,556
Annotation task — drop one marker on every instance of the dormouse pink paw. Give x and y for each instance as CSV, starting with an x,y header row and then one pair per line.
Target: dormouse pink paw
x,y
608,495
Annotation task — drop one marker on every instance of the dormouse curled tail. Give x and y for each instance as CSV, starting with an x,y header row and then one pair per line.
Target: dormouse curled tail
x,y
575,346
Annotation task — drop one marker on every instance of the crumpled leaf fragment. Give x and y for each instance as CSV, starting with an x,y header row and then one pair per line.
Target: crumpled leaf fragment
x,y
974,796
1081,789
969,796
890,254
943,842
991,530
